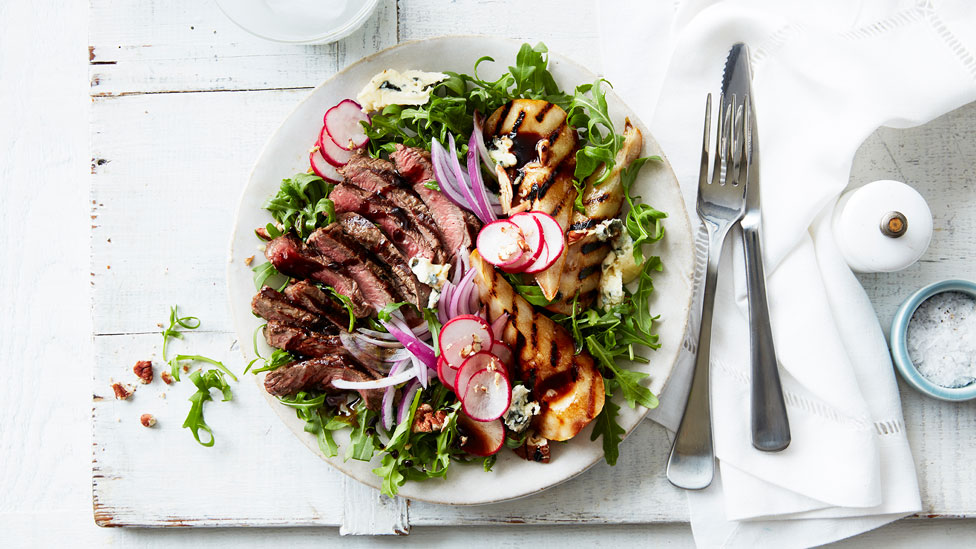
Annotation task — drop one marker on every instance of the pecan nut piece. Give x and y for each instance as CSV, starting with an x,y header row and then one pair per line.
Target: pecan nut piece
x,y
144,370
426,420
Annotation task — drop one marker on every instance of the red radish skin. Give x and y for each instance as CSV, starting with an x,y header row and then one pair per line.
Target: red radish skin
x,y
333,154
343,122
503,352
555,242
445,373
322,168
462,337
487,396
501,243
532,233
481,438
474,364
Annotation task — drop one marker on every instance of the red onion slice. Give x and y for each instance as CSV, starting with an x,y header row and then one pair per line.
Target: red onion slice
x,y
387,416
477,183
445,175
420,349
389,381
407,401
498,326
479,133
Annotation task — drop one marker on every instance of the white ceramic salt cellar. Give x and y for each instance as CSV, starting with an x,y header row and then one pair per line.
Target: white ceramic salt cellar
x,y
884,226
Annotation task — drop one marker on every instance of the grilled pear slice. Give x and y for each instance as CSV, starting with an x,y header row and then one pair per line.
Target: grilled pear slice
x,y
567,385
582,267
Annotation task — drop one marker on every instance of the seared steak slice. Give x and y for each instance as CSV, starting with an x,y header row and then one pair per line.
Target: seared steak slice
x,y
398,224
317,375
369,236
275,307
293,258
415,167
362,172
372,174
309,296
353,259
301,341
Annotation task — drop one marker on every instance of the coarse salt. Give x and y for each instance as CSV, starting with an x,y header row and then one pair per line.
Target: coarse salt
x,y
942,339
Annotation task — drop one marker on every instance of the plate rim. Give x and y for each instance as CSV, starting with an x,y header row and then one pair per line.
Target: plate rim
x,y
235,308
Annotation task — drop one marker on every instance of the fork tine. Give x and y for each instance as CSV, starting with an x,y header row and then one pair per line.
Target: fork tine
x,y
703,169
719,142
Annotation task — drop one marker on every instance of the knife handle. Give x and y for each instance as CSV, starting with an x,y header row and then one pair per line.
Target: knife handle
x,y
770,424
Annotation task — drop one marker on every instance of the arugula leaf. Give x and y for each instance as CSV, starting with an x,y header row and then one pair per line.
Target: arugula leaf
x,y
362,441
175,364
302,204
176,322
277,359
434,325
432,185
605,425
386,313
204,381
346,302
531,292
643,222
266,271
489,462
628,380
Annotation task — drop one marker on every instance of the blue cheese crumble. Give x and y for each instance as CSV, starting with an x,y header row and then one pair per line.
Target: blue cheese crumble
x,y
431,274
392,87
521,411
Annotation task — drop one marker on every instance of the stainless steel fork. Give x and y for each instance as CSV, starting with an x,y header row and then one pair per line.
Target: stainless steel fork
x,y
721,203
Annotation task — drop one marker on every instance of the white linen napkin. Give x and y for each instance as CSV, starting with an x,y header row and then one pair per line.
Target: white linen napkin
x,y
826,75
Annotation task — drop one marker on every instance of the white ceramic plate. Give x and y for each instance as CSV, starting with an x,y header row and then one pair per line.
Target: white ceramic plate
x,y
287,153
298,21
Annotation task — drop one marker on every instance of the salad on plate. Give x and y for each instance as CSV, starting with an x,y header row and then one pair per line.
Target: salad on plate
x,y
461,270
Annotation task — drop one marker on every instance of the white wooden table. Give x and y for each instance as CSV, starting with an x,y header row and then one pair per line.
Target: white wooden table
x,y
181,102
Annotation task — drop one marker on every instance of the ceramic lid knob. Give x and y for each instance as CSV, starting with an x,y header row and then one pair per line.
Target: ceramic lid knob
x,y
883,226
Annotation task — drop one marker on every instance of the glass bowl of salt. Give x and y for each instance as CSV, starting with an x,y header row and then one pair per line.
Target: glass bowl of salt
x,y
933,340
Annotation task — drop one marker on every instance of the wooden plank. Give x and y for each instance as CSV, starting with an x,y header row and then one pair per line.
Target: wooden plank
x,y
367,512
182,45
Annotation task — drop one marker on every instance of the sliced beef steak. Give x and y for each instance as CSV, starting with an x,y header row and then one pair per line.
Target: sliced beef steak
x,y
362,171
369,236
275,307
291,257
301,341
414,166
398,224
375,284
317,375
310,297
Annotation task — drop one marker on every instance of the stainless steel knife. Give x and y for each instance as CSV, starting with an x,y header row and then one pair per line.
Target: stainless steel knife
x,y
770,424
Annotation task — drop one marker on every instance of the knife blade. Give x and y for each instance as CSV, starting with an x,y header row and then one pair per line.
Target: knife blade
x,y
770,424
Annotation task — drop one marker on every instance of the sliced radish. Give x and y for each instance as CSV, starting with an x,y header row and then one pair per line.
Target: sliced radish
x,y
474,364
503,352
555,242
462,337
501,243
445,373
532,233
343,124
322,168
333,154
481,438
488,395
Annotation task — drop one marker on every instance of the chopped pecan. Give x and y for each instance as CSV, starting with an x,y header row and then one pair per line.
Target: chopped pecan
x,y
147,420
426,420
123,390
144,370
536,449
249,260
166,377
